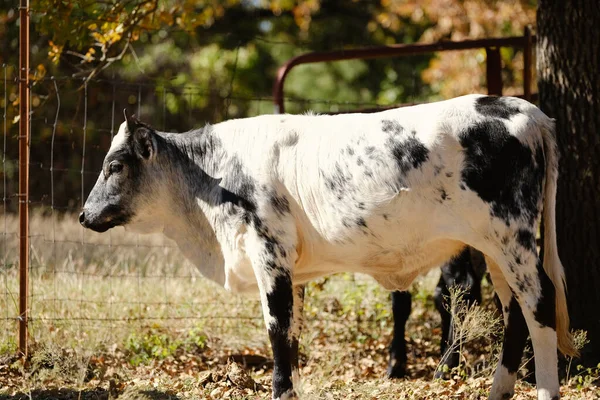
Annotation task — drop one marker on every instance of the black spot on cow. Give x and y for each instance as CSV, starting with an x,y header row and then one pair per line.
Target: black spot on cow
x,y
360,221
515,337
526,239
291,139
282,251
443,195
385,216
280,303
518,260
273,248
449,174
360,205
280,204
239,189
359,161
350,150
545,312
368,173
369,150
502,171
497,107
391,127
408,152
337,181
437,169
523,283
271,244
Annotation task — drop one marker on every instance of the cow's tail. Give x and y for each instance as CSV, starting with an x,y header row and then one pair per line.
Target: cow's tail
x,y
552,264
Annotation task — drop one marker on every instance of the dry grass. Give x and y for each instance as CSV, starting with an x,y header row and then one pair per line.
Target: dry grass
x,y
125,316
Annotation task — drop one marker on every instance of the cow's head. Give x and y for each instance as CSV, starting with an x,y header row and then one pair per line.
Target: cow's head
x,y
124,186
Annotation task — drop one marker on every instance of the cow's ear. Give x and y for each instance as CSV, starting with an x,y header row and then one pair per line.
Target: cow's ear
x,y
130,122
144,143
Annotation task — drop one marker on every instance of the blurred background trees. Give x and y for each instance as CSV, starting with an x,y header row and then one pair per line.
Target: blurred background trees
x,y
181,64
198,42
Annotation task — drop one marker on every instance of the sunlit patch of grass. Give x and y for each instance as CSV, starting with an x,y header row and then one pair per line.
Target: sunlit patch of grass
x,y
157,343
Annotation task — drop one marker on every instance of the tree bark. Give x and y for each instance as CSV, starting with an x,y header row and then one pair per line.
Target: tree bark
x,y
568,54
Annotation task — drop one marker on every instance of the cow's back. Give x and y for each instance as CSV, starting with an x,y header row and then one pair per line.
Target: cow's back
x,y
395,190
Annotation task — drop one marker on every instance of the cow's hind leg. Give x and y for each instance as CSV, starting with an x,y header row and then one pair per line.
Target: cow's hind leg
x,y
534,292
401,307
515,336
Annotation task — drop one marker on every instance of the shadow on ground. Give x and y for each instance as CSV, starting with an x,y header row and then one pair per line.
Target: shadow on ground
x,y
91,394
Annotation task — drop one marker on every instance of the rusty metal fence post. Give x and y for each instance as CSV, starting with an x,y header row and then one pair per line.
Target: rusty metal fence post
x,y
527,59
23,175
493,62
491,45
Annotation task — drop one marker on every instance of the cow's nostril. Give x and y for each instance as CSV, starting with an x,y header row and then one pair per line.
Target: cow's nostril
x,y
82,217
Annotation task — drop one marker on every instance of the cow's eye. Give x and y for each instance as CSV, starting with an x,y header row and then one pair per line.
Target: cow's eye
x,y
115,167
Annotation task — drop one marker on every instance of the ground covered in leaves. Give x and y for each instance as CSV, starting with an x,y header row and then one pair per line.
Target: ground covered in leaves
x,y
341,358
124,317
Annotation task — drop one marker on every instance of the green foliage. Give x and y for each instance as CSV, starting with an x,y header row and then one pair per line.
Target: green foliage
x,y
157,345
8,346
586,377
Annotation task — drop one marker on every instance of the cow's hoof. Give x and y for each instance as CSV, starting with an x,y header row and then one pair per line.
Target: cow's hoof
x,y
396,371
503,396
289,395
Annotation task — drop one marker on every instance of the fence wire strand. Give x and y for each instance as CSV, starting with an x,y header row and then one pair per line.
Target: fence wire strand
x,y
4,197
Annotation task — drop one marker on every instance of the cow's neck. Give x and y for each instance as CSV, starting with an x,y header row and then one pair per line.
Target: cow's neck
x,y
186,190
196,240
198,153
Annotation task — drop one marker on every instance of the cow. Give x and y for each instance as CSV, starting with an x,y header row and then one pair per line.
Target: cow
x,y
272,202
464,272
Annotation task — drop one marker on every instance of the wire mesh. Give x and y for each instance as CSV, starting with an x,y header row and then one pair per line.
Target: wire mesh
x,y
9,230
118,282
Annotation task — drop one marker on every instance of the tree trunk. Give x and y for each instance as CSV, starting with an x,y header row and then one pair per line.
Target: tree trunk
x,y
568,53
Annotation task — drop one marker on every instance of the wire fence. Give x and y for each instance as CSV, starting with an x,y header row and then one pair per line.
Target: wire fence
x,y
85,284
80,281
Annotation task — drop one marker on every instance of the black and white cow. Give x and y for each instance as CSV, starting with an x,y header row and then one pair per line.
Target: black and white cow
x,y
464,272
272,202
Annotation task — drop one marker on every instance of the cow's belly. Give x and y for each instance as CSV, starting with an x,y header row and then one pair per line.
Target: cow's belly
x,y
394,267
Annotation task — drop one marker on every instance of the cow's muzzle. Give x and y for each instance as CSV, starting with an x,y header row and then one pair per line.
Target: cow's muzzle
x,y
95,226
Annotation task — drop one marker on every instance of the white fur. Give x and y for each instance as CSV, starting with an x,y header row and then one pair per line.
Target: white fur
x,y
119,139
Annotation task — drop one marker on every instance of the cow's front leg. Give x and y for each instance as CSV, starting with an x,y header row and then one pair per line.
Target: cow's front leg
x,y
282,309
